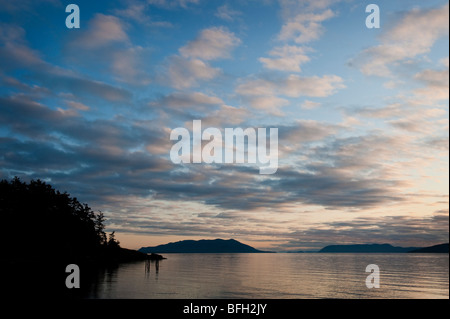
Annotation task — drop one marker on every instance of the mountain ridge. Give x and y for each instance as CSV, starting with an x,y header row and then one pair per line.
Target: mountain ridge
x,y
365,248
381,248
233,246
440,248
202,246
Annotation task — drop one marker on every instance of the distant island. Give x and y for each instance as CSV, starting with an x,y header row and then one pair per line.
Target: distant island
x,y
202,246
214,246
441,248
382,248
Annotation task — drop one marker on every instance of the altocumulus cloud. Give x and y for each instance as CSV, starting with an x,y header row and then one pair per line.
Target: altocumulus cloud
x,y
91,112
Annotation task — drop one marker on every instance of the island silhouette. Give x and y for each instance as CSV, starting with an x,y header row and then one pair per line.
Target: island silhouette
x,y
365,248
215,246
441,248
383,248
202,246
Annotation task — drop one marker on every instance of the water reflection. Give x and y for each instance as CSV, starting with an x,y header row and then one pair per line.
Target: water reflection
x,y
275,276
148,264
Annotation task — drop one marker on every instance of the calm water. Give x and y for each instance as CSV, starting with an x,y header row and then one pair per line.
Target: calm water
x,y
276,276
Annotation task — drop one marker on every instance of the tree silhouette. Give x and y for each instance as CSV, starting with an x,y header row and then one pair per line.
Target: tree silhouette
x,y
37,220
100,228
42,231
113,243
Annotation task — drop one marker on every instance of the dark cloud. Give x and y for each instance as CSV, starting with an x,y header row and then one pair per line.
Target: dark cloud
x,y
305,131
15,54
100,153
75,153
16,7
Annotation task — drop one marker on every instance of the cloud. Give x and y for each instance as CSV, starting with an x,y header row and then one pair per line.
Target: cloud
x,y
305,27
374,155
225,115
27,117
269,93
269,103
64,81
13,7
323,188
103,30
437,84
439,143
16,55
191,66
36,120
103,159
24,156
78,106
226,13
289,58
33,90
412,36
185,73
424,121
138,12
419,110
128,65
293,86
315,86
211,44
14,51
388,111
106,36
445,62
336,176
302,131
135,12
310,105
291,8
188,100
170,4
87,154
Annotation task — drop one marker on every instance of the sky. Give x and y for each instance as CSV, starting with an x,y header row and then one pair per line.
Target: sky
x,y
362,116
